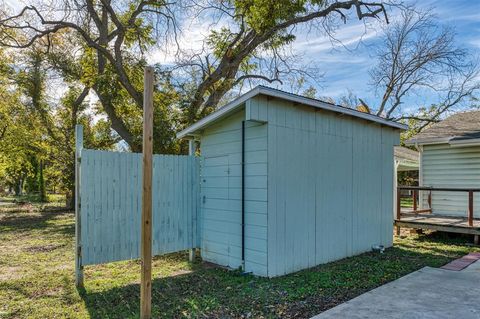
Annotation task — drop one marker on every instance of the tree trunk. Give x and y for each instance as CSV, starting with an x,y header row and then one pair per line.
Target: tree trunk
x,y
41,184
70,198
19,187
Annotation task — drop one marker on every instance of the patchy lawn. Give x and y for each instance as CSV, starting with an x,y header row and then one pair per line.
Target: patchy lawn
x,y
36,277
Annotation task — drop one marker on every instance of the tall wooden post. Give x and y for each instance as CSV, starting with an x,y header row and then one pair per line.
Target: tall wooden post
x,y
414,200
395,192
429,201
78,224
146,240
470,208
398,210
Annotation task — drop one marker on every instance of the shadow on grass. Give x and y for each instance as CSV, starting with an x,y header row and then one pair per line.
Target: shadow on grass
x,y
217,293
195,294
34,220
438,237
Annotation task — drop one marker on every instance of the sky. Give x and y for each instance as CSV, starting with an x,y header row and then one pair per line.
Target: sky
x,y
345,67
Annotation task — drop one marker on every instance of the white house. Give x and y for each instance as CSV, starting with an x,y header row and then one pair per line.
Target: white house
x,y
450,158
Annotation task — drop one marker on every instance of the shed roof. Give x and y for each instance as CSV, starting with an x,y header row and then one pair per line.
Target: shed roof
x,y
460,127
262,90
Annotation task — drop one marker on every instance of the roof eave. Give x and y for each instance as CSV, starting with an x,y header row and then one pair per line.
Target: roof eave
x,y
230,107
465,142
330,107
452,140
427,141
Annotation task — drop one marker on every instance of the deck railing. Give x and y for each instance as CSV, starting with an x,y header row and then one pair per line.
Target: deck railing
x,y
416,189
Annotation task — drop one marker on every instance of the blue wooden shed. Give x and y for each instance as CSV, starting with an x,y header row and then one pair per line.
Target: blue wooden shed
x,y
289,182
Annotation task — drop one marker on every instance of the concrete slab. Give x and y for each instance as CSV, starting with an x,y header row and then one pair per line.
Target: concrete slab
x,y
429,293
475,267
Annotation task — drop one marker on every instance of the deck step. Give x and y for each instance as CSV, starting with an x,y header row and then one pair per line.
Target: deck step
x,y
462,263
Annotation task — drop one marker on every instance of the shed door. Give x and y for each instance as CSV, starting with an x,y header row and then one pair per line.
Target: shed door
x,y
221,211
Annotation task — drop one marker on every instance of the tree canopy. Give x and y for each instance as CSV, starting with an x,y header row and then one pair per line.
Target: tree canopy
x,y
81,62
103,44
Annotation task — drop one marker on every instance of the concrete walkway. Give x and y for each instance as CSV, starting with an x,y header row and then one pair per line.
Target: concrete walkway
x,y
429,293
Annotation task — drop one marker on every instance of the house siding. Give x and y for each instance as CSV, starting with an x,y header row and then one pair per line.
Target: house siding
x,y
446,166
221,229
330,181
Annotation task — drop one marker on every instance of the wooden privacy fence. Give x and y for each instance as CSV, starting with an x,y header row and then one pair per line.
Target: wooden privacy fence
x,y
109,205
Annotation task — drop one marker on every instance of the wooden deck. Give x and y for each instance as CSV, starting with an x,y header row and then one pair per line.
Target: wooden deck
x,y
440,223
425,218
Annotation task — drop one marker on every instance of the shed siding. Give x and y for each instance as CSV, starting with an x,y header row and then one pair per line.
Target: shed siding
x,y
446,166
330,183
221,194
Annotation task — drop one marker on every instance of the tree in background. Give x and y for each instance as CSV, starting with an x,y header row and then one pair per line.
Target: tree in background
x,y
20,132
37,146
97,135
41,184
111,40
99,48
419,56
32,180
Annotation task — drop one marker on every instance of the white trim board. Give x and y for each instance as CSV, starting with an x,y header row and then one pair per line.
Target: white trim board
x,y
452,140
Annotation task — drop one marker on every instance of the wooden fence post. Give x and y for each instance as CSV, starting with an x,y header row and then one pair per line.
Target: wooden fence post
x,y
395,185
470,208
429,200
146,239
398,210
78,220
414,200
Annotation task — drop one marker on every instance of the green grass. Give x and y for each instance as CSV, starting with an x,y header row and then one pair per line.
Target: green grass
x,y
31,201
406,202
37,281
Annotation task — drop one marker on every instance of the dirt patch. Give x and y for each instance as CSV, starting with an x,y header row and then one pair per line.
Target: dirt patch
x,y
209,265
181,272
24,208
10,273
54,292
317,304
43,248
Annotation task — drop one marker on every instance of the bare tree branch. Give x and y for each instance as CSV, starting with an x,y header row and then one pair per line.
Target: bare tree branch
x,y
420,56
247,41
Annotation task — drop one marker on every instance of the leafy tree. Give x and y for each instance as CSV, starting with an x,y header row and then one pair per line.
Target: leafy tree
x,y
112,39
99,47
38,144
32,180
251,49
97,135
20,138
